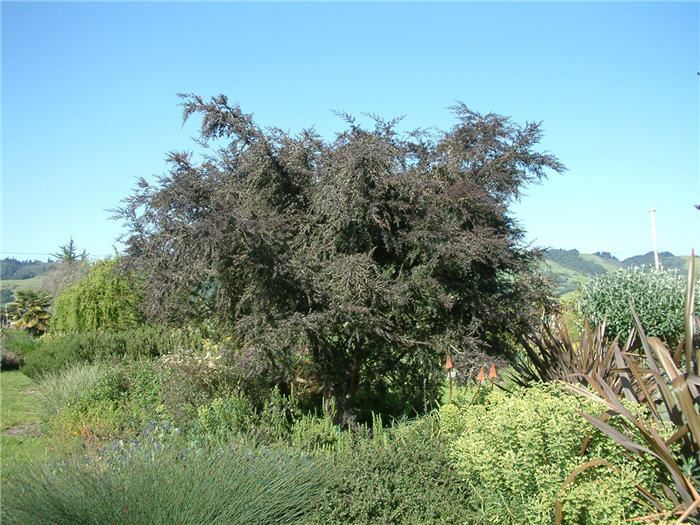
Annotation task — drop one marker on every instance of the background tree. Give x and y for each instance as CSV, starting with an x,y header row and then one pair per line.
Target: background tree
x,y
68,253
72,266
30,310
349,267
104,299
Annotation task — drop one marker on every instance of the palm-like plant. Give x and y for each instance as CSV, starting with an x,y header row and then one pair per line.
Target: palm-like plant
x,y
30,310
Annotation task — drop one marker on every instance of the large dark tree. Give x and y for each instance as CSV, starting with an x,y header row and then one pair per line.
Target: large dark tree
x,y
351,266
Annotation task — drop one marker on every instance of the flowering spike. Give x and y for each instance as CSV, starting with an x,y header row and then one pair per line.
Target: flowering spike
x,y
482,375
492,373
448,364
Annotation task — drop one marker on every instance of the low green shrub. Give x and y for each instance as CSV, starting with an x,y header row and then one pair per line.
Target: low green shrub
x,y
224,417
14,345
164,486
17,341
657,296
192,377
58,351
401,474
516,450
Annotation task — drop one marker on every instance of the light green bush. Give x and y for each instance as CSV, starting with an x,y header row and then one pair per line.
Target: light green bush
x,y
105,299
515,451
657,297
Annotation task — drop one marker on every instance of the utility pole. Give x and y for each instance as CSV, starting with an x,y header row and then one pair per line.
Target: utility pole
x,y
653,236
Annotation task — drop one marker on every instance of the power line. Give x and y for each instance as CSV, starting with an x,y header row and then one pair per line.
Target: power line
x,y
23,253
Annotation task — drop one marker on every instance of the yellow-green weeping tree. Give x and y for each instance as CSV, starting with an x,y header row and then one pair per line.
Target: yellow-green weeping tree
x,y
105,299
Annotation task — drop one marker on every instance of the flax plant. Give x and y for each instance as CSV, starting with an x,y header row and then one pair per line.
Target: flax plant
x,y
668,387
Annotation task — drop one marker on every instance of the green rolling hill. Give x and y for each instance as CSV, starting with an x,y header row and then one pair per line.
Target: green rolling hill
x,y
18,275
568,269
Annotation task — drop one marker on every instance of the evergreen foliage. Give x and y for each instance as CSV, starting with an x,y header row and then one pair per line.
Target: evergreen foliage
x,y
657,296
56,351
349,266
70,268
515,451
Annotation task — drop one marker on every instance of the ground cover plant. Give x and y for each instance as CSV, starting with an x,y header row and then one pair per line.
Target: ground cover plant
x,y
515,450
401,474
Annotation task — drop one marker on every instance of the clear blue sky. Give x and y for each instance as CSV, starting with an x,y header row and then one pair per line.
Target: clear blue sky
x,y
89,101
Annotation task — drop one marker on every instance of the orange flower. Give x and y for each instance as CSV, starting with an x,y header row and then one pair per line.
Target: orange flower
x,y
448,364
482,375
492,373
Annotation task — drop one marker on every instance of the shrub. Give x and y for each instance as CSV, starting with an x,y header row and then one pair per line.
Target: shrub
x,y
98,400
192,377
17,341
516,450
58,351
102,300
667,384
552,354
75,386
352,264
657,297
225,416
213,487
398,475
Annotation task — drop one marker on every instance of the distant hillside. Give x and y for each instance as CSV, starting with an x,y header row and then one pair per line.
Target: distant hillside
x,y
569,268
14,269
16,274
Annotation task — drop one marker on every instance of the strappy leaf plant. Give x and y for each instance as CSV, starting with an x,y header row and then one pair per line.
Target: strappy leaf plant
x,y
551,354
667,383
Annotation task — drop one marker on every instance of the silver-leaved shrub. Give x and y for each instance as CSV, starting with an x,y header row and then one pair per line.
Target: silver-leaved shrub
x,y
657,296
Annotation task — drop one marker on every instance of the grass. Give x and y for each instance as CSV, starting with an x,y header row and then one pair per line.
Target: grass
x,y
16,407
19,441
218,486
33,283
